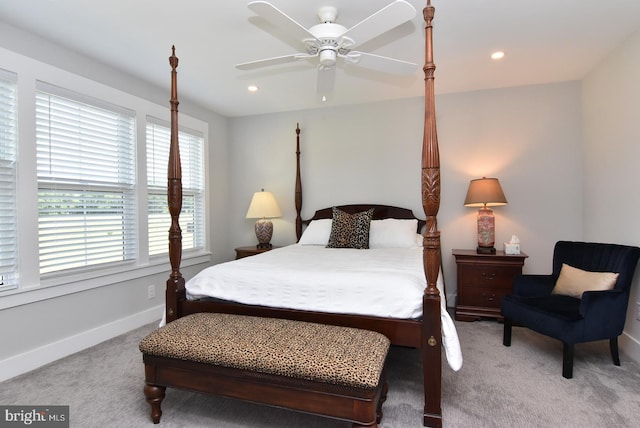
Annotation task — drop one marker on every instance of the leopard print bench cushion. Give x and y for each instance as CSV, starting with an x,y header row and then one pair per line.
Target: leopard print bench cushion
x,y
317,352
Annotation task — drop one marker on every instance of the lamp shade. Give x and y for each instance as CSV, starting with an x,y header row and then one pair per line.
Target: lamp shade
x,y
263,205
485,192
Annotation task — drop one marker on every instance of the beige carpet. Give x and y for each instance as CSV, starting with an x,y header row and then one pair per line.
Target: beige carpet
x,y
520,386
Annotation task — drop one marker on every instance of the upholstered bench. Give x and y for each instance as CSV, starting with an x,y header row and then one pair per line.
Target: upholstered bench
x,y
315,368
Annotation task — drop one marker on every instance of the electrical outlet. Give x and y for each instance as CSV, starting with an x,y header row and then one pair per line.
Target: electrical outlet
x,y
151,291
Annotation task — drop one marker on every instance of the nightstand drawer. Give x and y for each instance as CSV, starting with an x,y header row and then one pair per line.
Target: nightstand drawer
x,y
483,296
489,276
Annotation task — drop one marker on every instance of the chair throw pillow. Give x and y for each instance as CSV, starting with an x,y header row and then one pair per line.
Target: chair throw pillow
x,y
350,230
573,281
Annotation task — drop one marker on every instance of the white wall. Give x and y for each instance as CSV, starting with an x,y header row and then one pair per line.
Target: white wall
x,y
528,137
611,103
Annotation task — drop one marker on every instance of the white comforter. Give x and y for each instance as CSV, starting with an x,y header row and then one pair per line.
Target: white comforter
x,y
384,282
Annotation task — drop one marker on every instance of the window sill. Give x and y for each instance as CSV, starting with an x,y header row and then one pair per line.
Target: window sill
x,y
63,285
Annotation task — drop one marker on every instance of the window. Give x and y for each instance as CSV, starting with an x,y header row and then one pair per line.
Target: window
x,y
86,181
192,214
8,143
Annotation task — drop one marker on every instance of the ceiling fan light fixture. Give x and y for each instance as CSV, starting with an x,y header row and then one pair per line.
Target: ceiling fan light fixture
x,y
327,58
329,41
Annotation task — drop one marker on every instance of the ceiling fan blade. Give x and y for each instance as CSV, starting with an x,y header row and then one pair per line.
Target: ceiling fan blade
x,y
325,83
280,19
385,19
381,63
285,59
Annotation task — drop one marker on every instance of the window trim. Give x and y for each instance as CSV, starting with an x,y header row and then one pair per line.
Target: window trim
x,y
13,267
32,287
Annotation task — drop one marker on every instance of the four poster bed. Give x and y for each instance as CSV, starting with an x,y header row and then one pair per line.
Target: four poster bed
x,y
421,329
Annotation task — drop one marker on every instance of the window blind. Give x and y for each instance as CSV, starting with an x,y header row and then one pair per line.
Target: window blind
x,y
8,144
86,181
158,136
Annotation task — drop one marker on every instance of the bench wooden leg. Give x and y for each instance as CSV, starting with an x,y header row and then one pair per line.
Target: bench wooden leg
x,y
154,395
383,398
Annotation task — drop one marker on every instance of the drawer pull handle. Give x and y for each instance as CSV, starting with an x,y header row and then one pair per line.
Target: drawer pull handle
x,y
488,276
489,297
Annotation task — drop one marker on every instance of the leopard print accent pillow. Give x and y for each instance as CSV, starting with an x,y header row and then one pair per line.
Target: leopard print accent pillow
x,y
350,230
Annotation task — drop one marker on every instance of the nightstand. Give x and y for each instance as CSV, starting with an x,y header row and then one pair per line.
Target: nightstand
x,y
250,251
483,280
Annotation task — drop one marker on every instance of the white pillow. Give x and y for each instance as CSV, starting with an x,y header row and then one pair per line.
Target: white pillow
x,y
393,233
317,232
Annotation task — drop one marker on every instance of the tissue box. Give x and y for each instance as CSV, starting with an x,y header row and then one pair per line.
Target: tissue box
x,y
510,248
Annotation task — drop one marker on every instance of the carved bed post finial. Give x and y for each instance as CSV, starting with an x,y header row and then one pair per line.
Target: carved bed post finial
x,y
175,283
432,337
298,194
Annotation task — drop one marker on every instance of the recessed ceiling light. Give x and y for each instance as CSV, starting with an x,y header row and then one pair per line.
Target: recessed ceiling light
x,y
252,88
497,55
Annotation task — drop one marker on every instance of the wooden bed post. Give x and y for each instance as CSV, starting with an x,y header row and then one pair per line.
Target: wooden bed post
x,y
426,334
432,331
175,284
298,194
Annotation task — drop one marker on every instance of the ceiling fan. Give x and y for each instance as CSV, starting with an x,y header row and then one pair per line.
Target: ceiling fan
x,y
330,42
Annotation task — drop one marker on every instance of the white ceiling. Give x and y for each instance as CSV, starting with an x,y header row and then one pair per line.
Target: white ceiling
x,y
545,41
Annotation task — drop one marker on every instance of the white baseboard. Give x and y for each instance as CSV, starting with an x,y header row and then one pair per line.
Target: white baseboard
x,y
629,346
27,361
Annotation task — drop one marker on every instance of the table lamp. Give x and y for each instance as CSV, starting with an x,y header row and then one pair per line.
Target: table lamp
x,y
484,193
263,206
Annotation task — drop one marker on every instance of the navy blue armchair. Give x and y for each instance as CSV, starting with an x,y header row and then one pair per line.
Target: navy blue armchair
x,y
597,315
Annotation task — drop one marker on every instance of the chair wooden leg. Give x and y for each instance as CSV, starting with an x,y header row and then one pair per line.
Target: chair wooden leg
x,y
613,345
506,337
567,360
